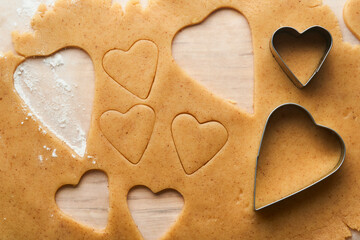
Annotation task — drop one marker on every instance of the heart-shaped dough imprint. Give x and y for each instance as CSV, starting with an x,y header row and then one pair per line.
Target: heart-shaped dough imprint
x,y
129,133
197,143
295,153
88,202
154,213
134,69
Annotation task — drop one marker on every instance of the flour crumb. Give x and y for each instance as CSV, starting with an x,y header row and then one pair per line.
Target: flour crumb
x,y
41,158
63,123
63,85
54,155
73,155
46,147
22,123
94,162
43,131
232,101
54,61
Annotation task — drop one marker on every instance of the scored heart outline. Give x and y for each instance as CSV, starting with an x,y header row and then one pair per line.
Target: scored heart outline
x,y
196,143
130,132
134,69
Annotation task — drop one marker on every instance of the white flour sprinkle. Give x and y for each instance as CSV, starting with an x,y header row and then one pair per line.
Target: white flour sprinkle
x,y
43,131
46,147
49,89
28,9
54,61
94,162
41,158
54,154
60,83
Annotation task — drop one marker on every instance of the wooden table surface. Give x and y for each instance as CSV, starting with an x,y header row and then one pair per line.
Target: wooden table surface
x,y
218,53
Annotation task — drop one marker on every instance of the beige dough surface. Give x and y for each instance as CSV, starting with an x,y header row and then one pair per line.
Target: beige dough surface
x,y
219,194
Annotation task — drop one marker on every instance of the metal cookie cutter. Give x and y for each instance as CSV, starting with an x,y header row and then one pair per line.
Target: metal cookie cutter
x,y
337,166
289,30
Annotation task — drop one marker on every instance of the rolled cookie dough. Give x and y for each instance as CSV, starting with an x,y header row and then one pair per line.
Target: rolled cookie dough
x,y
218,196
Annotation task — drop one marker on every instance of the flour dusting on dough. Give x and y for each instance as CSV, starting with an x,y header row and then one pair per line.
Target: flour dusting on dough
x,y
54,155
47,148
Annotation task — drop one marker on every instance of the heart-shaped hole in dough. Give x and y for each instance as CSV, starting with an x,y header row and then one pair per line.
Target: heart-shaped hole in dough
x,y
59,90
218,53
87,202
154,213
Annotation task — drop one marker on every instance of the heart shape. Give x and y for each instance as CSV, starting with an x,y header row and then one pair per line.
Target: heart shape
x,y
301,55
50,86
208,50
153,213
197,143
315,151
129,133
134,69
351,16
81,202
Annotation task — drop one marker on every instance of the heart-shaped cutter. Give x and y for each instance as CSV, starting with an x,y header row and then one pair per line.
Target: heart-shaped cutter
x,y
329,42
336,167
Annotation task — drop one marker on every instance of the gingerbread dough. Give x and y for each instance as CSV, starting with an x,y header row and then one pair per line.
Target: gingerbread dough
x,y
219,195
